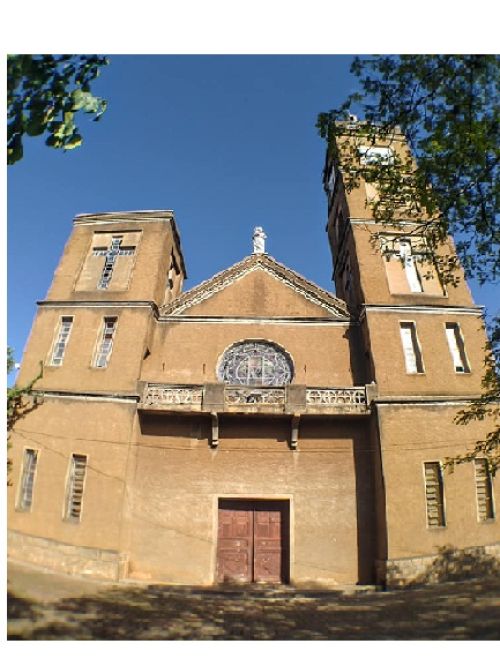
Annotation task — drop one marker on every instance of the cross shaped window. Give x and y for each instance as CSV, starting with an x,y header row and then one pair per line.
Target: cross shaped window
x,y
110,254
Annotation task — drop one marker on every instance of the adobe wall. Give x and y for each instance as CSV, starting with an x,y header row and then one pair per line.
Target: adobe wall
x,y
77,372
439,376
151,260
411,436
257,294
189,352
374,273
178,480
59,428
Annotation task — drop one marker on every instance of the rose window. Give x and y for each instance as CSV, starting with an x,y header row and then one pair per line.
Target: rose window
x,y
256,364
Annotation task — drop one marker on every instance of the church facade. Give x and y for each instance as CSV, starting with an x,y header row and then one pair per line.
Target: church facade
x,y
255,428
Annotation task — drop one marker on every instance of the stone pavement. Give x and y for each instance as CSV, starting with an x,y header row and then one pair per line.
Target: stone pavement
x,y
48,606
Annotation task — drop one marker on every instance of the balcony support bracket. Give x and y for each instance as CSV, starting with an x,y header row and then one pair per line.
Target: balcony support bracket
x,y
214,441
294,431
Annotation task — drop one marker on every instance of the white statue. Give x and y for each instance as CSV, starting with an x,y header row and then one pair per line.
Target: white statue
x,y
259,241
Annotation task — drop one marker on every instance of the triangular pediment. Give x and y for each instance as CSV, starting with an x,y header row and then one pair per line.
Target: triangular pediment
x,y
258,286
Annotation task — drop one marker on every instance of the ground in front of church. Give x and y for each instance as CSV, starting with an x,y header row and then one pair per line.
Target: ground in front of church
x,y
48,606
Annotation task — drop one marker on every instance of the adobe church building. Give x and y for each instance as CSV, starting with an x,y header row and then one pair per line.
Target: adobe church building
x,y
255,428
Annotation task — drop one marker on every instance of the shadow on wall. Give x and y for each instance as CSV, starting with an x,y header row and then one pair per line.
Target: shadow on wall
x,y
448,566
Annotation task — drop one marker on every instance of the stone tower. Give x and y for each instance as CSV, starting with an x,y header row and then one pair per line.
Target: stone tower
x,y
115,266
423,345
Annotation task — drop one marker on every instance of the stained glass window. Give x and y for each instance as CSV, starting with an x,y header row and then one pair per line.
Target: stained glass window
x,y
255,363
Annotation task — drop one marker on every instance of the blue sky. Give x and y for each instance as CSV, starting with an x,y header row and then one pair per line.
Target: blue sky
x,y
227,142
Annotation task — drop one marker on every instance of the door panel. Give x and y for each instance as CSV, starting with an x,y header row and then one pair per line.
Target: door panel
x,y
267,546
253,541
235,545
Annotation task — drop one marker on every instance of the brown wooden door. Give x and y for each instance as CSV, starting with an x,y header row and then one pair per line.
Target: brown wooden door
x,y
267,552
252,541
235,544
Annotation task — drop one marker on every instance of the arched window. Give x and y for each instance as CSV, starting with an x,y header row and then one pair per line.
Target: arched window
x,y
255,363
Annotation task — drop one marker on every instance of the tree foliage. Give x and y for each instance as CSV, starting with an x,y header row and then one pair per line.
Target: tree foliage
x,y
44,92
17,399
487,406
446,106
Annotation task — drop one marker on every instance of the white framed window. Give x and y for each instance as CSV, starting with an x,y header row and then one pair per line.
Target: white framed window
x,y
411,347
61,341
75,487
26,486
105,344
457,347
434,494
375,155
484,490
409,263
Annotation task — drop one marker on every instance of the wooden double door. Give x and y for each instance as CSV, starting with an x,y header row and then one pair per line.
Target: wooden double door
x,y
253,541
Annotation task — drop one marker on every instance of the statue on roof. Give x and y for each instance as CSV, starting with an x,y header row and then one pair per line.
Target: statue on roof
x,y
259,241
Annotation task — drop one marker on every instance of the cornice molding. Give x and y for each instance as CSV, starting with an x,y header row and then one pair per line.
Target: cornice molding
x,y
130,398
476,310
283,321
99,304
418,401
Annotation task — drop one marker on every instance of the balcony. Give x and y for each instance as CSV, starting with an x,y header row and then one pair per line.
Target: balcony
x,y
220,398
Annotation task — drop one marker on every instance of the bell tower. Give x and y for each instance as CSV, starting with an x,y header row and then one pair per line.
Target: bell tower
x,y
421,341
421,335
93,329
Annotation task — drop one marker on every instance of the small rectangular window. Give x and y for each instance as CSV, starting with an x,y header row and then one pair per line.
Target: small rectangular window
x,y
411,348
484,490
434,496
346,276
74,492
61,340
27,480
106,343
457,348
410,266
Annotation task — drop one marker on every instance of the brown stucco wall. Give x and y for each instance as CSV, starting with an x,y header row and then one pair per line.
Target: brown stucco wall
x,y
439,377
57,429
321,354
258,294
76,372
148,277
178,480
410,436
374,279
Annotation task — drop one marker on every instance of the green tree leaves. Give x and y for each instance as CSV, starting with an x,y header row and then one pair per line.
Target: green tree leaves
x,y
44,93
447,107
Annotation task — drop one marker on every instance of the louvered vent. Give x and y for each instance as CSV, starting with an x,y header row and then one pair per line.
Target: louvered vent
x,y
27,480
434,495
75,487
483,490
